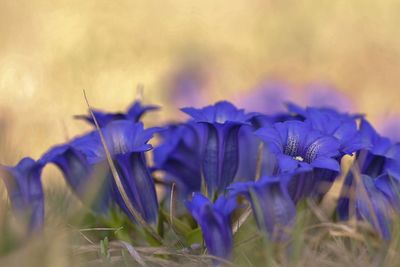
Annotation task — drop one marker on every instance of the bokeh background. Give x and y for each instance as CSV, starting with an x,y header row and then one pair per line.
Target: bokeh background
x,y
204,50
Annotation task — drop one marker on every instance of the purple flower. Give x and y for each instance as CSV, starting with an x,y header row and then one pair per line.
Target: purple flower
x,y
91,181
215,222
342,126
250,146
179,155
272,206
188,85
25,191
298,147
379,168
267,97
327,96
134,114
380,155
126,141
372,205
389,125
390,187
303,113
221,152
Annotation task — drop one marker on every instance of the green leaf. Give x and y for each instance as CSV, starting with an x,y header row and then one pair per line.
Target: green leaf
x,y
195,236
179,226
104,249
160,224
151,240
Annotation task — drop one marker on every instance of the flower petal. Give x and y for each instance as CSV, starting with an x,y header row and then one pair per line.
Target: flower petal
x,y
211,160
374,207
287,163
138,184
214,221
25,190
230,162
391,188
278,210
137,110
272,206
326,163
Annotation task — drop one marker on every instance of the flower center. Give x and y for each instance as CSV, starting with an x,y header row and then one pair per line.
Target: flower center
x,y
299,158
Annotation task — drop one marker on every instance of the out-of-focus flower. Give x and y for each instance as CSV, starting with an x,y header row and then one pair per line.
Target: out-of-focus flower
x,y
298,147
126,142
267,98
389,126
90,180
221,149
302,113
24,186
273,208
179,155
215,222
390,187
325,95
381,155
188,85
379,168
371,204
134,113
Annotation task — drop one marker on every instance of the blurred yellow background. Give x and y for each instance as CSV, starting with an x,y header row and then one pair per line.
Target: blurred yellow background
x,y
51,50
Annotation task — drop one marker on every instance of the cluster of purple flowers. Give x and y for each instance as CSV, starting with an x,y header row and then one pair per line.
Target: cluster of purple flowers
x,y
219,158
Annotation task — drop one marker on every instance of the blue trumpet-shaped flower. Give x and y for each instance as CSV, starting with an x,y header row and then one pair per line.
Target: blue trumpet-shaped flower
x,y
390,187
134,114
303,113
249,146
84,164
373,206
381,155
298,147
267,97
342,126
127,143
215,222
272,206
390,126
25,191
179,155
325,95
221,150
252,155
379,167
89,179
